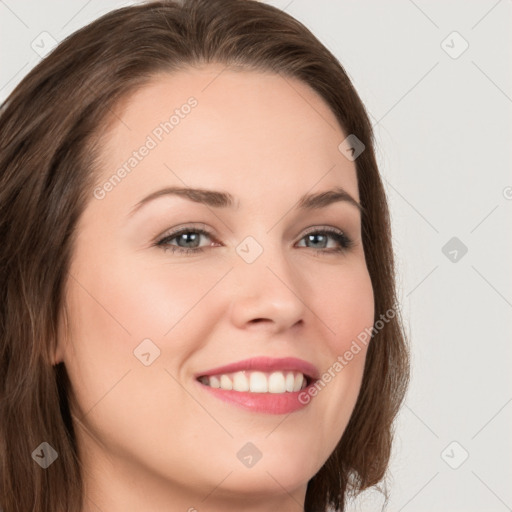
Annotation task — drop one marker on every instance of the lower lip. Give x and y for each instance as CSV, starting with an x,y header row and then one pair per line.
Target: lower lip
x,y
268,403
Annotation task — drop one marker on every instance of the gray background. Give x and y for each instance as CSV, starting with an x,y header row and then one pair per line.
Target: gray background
x,y
442,123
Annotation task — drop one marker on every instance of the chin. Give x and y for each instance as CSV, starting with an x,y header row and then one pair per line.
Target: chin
x,y
265,480
275,470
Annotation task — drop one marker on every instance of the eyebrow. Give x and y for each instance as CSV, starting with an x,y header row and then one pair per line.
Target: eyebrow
x,y
219,199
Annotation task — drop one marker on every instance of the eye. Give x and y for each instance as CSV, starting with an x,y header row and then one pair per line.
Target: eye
x,y
319,238
187,240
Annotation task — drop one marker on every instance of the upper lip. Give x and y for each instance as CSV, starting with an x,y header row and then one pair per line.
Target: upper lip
x,y
266,364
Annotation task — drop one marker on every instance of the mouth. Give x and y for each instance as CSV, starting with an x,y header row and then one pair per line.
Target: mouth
x,y
263,384
258,381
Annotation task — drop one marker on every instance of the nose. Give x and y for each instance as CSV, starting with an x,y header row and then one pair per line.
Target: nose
x,y
268,293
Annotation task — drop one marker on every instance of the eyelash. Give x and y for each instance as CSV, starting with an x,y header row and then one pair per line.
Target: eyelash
x,y
343,240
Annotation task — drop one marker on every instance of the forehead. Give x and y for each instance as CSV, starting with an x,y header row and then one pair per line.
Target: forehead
x,y
212,124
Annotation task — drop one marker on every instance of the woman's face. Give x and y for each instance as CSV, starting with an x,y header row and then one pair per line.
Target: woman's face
x,y
148,321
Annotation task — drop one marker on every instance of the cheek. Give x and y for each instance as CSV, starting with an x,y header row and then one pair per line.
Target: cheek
x,y
114,307
166,303
98,351
110,314
345,307
347,311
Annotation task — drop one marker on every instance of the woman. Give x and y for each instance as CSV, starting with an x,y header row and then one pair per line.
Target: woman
x,y
197,274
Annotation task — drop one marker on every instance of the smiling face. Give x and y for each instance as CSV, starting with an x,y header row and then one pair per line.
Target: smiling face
x,y
267,273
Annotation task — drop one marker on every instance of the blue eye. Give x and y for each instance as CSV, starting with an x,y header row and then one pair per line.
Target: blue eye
x,y
188,240
190,236
321,238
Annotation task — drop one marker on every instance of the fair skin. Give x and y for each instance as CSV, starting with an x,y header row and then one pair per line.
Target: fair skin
x,y
150,437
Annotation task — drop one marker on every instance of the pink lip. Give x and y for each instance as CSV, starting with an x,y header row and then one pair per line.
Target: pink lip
x,y
266,364
269,403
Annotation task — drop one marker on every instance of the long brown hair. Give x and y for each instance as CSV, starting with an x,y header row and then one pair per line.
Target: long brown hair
x,y
49,144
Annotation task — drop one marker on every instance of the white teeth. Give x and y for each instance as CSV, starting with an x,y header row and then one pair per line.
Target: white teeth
x,y
276,383
258,382
225,382
299,378
240,382
214,382
290,381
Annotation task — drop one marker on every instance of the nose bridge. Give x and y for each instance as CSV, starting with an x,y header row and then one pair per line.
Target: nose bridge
x,y
267,286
